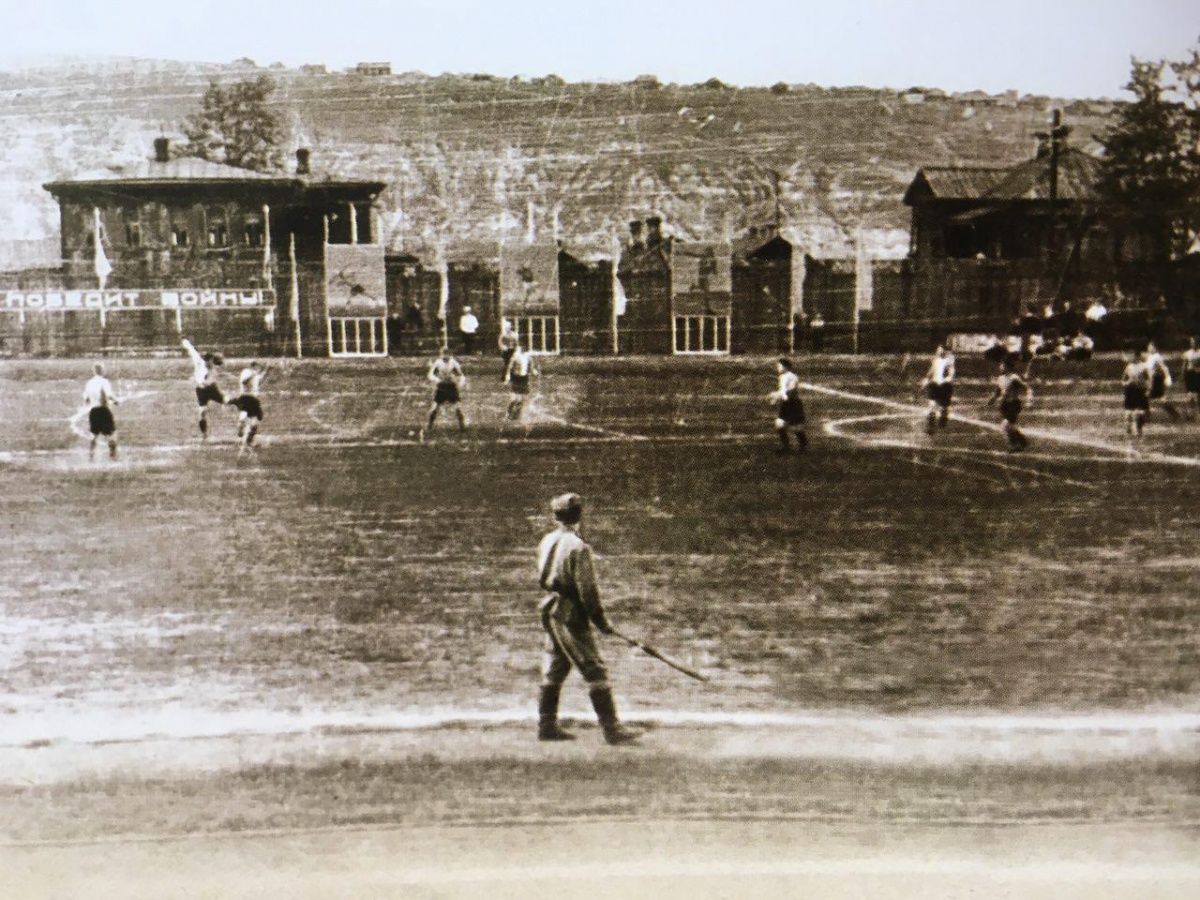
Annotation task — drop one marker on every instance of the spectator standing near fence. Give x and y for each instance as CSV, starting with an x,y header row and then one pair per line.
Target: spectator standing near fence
x,y
468,330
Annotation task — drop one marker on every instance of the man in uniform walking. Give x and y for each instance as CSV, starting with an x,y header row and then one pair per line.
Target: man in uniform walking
x,y
568,613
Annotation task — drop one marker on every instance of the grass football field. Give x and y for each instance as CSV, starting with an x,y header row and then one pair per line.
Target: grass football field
x,y
355,577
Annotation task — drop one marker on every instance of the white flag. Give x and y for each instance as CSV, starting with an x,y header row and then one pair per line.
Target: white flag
x,y
102,266
267,278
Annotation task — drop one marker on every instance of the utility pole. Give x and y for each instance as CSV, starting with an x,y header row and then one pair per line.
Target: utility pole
x,y
775,183
1055,140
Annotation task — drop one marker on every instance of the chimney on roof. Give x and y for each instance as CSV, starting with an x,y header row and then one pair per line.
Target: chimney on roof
x,y
635,235
162,149
303,167
653,231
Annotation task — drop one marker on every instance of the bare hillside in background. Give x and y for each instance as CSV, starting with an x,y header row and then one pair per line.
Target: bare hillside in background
x,y
474,160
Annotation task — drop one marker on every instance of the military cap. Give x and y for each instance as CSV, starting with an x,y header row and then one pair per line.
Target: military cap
x,y
566,506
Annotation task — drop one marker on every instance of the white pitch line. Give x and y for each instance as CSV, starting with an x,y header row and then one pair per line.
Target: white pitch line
x,y
834,428
1057,437
621,435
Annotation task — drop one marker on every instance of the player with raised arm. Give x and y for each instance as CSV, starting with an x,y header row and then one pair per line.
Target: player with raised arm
x,y
1014,393
447,375
939,388
517,376
789,407
99,398
1191,376
205,369
249,405
1135,383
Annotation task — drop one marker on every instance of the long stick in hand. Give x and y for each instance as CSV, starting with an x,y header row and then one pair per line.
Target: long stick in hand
x,y
650,651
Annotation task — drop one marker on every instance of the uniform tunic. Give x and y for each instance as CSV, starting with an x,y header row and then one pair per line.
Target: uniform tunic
x,y
571,608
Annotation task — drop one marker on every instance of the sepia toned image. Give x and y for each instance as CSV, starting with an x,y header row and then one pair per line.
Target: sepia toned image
x,y
681,450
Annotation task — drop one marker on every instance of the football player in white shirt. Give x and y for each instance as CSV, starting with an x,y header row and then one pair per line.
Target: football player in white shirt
x,y
249,405
205,370
939,388
98,396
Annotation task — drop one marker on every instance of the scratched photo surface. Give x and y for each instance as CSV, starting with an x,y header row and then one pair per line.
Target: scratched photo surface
x,y
882,653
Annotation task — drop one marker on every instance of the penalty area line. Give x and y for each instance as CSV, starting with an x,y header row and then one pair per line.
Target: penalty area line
x,y
1056,437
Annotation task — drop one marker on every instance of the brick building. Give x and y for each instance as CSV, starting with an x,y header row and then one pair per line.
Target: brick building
x,y
225,255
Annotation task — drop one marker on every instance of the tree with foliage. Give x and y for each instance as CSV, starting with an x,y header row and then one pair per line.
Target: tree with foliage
x,y
1151,174
236,126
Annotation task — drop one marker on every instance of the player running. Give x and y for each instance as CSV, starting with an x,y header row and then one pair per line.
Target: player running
x,y
939,388
1135,382
205,370
1014,393
1191,376
1160,379
508,343
249,406
98,396
447,374
789,407
569,611
517,376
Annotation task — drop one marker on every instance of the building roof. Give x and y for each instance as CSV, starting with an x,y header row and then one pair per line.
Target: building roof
x,y
1078,173
176,171
186,170
954,182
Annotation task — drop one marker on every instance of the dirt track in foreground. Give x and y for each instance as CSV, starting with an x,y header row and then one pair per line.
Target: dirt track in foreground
x,y
668,860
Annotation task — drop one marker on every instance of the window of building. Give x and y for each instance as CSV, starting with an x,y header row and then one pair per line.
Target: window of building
x,y
133,234
179,237
217,228
253,234
539,334
365,336
701,334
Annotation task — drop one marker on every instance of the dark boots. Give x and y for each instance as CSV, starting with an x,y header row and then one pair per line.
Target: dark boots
x,y
548,729
606,712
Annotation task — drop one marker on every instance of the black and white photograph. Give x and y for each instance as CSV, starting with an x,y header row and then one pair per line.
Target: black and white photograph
x,y
684,450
